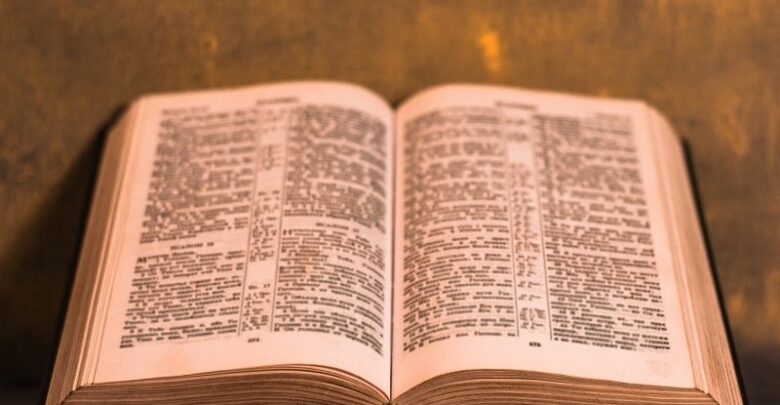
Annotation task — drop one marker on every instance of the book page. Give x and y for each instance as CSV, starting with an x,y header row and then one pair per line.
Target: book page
x,y
257,231
530,236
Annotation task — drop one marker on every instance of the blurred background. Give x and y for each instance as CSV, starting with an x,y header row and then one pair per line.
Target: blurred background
x,y
66,68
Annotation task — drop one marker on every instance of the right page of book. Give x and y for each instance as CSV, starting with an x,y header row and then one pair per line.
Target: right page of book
x,y
530,236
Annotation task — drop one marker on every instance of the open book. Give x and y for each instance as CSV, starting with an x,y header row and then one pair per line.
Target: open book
x,y
305,243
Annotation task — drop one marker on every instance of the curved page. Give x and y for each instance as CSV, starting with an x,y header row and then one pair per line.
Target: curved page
x,y
257,232
530,236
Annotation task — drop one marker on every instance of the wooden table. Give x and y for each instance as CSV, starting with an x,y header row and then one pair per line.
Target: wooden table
x,y
712,67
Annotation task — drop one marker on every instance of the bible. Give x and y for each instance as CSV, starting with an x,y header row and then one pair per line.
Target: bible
x,y
305,242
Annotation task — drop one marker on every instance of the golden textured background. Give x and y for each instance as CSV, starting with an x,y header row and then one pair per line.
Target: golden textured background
x,y
713,67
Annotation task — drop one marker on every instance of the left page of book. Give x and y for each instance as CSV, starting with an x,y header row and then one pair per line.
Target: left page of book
x,y
257,231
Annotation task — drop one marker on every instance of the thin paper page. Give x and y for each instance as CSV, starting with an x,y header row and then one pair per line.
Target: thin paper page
x,y
529,236
258,233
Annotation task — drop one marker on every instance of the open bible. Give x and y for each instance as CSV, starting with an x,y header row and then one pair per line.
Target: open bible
x,y
305,243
